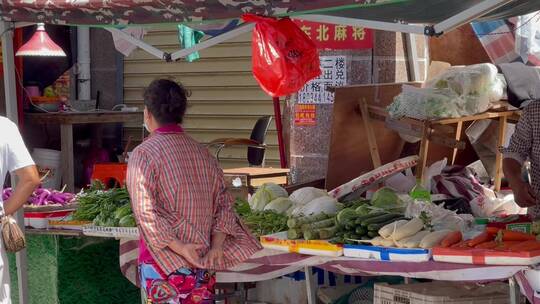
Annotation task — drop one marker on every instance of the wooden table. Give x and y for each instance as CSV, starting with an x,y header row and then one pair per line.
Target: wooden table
x,y
62,232
446,132
66,120
257,176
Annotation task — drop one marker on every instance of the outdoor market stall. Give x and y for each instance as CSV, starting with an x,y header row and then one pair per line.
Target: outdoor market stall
x,y
439,16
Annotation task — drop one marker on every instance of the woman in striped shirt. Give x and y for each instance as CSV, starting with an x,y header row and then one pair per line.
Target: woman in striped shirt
x,y
188,225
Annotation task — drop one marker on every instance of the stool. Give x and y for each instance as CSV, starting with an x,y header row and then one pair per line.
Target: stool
x,y
107,172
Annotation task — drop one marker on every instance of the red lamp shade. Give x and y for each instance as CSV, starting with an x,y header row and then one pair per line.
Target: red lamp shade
x,y
40,45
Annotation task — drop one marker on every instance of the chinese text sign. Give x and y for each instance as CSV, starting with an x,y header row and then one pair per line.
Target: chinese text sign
x,y
333,74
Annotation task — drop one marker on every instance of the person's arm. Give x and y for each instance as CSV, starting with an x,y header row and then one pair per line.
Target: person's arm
x,y
225,223
19,162
515,155
523,193
28,181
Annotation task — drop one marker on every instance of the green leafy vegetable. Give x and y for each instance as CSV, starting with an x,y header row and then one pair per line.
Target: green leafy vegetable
x,y
261,222
104,207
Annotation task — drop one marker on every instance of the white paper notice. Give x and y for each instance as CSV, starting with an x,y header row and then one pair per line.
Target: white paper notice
x,y
333,74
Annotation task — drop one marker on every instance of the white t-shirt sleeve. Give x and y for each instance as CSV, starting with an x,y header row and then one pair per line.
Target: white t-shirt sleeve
x,y
18,156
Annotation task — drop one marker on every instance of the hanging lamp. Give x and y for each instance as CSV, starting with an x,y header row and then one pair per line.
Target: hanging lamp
x,y
41,45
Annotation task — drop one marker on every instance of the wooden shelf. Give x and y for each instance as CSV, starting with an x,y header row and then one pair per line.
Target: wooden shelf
x,y
84,117
446,132
62,232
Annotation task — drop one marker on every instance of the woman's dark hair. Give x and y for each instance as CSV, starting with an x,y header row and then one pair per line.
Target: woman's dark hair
x,y
166,100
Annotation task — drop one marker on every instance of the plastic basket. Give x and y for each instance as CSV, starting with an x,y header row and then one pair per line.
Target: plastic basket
x,y
441,293
111,232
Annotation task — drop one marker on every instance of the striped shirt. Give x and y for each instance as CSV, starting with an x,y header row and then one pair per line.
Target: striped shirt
x,y
178,193
525,145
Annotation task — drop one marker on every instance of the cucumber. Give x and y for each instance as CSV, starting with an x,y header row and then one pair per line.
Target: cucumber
x,y
377,226
336,240
311,235
360,231
361,219
379,219
294,234
299,221
372,234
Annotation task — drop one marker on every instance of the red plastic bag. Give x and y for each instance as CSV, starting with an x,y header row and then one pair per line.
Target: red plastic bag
x,y
284,57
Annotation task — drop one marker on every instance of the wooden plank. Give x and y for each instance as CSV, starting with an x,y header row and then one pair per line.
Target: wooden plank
x,y
485,115
459,128
257,182
84,118
256,172
498,154
424,148
63,232
68,174
348,155
401,126
372,140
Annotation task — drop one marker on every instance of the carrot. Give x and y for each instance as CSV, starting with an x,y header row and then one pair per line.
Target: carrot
x,y
506,245
461,245
492,230
526,246
508,235
483,237
487,245
451,239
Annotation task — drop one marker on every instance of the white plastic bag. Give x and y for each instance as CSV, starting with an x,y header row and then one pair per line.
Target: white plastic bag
x,y
433,170
457,92
486,206
424,103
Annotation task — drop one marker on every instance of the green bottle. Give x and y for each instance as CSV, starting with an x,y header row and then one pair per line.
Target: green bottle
x,y
419,193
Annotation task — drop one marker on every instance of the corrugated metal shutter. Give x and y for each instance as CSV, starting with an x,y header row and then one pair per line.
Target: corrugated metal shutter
x,y
226,100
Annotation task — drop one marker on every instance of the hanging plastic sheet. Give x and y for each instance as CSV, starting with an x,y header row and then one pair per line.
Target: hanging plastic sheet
x,y
528,38
189,37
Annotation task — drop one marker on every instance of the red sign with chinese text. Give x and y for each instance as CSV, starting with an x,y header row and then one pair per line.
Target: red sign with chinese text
x,y
337,37
305,115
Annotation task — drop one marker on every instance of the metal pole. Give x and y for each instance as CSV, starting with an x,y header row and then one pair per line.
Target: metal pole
x,y
311,286
139,43
10,88
468,15
83,63
279,127
412,57
376,25
213,41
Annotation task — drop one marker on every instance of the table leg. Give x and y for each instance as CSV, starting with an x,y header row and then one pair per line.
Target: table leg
x,y
372,139
311,286
424,147
68,175
514,291
498,154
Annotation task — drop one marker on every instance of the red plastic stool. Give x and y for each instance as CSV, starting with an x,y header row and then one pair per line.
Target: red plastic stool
x,y
107,172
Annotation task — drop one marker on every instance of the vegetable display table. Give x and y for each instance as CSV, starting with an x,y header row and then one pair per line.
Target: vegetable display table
x,y
270,264
66,120
445,132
